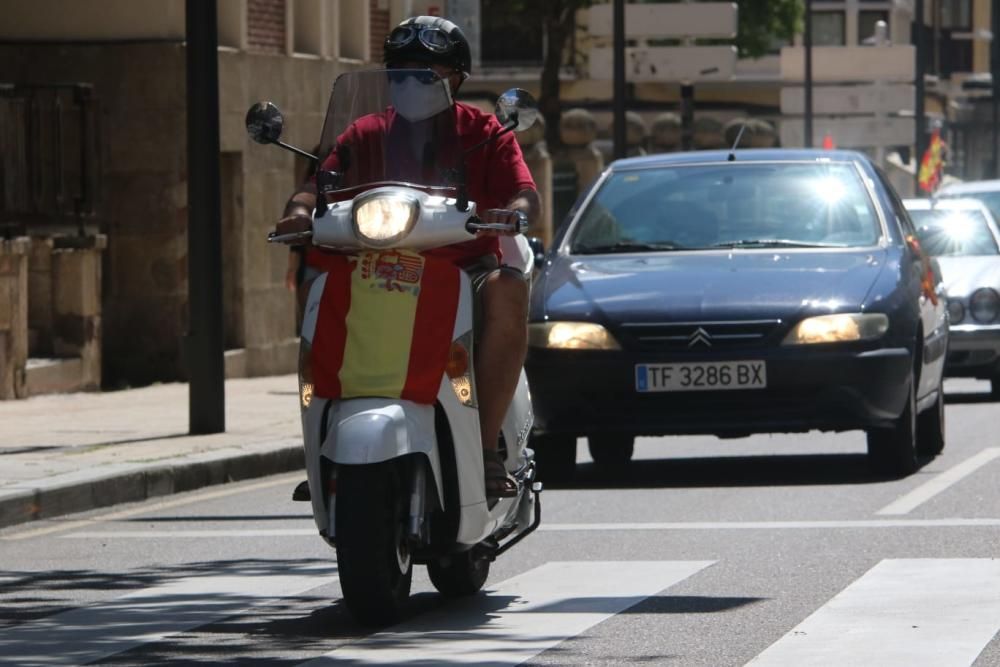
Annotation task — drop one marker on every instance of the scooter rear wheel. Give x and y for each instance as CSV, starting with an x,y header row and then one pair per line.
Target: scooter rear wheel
x,y
460,574
373,554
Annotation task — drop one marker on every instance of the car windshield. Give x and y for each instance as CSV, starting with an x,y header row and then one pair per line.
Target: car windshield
x,y
749,205
954,232
991,199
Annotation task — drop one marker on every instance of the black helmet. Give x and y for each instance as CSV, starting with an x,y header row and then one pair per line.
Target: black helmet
x,y
428,39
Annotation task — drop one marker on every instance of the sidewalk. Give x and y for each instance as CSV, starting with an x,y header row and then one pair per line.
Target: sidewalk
x,y
73,452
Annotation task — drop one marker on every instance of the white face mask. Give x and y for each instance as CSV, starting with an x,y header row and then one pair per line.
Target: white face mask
x,y
416,100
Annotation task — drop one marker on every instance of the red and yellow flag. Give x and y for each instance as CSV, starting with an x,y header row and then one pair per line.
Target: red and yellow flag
x,y
385,326
932,164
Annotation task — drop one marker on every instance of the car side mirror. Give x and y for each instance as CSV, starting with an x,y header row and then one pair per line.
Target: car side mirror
x,y
537,247
264,123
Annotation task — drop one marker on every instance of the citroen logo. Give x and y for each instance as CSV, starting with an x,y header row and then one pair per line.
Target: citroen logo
x,y
699,336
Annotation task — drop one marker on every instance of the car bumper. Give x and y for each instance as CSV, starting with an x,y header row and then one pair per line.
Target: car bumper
x,y
974,350
594,392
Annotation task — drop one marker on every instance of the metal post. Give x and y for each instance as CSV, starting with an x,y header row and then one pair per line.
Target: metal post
x,y
687,116
807,123
620,148
995,76
920,114
204,344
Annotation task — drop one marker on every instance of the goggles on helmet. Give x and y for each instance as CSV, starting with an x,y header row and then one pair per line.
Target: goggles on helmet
x,y
433,39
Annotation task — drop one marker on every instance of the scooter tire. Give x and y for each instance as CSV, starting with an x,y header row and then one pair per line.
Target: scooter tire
x,y
374,562
459,575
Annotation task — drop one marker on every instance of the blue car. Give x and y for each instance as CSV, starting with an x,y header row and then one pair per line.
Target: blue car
x,y
735,293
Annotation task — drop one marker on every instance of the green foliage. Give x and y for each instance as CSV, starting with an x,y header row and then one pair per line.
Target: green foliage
x,y
761,22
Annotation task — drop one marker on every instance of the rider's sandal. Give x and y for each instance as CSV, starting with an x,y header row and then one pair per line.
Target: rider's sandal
x,y
499,483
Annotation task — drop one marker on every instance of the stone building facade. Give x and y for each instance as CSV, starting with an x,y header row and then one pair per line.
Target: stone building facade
x,y
132,56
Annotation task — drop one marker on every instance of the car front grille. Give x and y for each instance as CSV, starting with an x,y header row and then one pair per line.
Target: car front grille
x,y
699,336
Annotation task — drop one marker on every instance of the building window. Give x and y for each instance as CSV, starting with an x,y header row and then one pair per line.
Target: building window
x,y
866,25
516,40
355,35
956,14
828,29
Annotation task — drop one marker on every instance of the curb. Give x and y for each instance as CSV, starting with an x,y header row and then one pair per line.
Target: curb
x,y
144,481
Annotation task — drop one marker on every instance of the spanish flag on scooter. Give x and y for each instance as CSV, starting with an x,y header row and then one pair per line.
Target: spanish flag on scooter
x,y
385,326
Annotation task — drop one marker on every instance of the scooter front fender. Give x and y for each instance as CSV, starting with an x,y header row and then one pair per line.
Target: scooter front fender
x,y
370,430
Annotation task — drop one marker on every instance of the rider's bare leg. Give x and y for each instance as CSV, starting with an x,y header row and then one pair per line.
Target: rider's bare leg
x,y
502,345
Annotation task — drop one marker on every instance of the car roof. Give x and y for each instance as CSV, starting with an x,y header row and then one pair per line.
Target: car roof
x,y
959,204
739,155
970,187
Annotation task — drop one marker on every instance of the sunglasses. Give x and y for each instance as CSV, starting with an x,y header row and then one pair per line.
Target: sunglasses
x,y
434,40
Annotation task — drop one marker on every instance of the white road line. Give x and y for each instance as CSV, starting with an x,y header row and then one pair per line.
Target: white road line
x,y
568,527
520,617
901,613
91,633
777,525
936,485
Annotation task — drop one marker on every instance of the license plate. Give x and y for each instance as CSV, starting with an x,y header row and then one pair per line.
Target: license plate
x,y
706,376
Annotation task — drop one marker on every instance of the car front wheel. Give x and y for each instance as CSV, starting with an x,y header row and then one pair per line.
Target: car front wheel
x,y
930,428
893,451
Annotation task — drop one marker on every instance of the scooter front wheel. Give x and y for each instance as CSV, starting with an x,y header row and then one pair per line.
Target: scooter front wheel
x,y
374,561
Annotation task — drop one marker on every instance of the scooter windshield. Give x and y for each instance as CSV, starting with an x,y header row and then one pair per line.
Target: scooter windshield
x,y
390,125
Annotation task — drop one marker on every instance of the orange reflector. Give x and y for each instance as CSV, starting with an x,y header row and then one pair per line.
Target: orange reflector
x,y
458,361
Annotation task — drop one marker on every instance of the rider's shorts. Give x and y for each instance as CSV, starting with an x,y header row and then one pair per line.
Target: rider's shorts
x,y
479,270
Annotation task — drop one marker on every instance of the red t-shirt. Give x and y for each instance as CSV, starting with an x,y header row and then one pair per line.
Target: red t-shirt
x,y
495,173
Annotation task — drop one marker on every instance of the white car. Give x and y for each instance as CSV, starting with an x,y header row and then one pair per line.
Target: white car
x,y
964,238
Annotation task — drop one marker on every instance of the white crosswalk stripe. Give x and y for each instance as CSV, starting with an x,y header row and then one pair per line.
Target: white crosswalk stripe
x,y
536,611
92,633
912,612
901,613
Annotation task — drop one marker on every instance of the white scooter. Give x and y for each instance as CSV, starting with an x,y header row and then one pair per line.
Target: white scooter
x,y
395,481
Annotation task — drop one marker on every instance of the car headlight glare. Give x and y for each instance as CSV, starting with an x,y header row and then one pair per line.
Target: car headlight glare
x,y
383,220
571,336
984,305
838,328
956,311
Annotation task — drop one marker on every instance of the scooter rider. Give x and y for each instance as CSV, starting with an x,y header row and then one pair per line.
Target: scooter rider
x,y
502,187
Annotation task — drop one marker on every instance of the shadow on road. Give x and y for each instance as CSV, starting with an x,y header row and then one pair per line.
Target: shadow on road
x,y
724,471
959,398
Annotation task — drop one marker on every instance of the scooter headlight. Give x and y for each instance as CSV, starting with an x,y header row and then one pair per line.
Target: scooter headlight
x,y
383,220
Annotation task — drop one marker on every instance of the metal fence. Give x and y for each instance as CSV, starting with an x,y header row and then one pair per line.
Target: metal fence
x,y
49,158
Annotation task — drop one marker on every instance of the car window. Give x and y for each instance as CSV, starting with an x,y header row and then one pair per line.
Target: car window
x,y
954,232
704,206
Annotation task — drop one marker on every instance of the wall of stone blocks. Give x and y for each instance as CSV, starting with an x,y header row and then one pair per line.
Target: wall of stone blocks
x,y
13,316
143,199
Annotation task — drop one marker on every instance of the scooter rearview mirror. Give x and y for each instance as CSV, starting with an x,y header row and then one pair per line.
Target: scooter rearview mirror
x,y
517,109
264,123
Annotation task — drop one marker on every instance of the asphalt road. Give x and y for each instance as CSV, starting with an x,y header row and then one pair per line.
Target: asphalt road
x,y
771,550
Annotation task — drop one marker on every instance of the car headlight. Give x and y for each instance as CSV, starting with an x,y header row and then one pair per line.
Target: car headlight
x,y
571,336
956,311
984,305
383,220
838,328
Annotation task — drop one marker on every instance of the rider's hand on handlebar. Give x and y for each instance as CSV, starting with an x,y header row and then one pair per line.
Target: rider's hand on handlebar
x,y
293,224
499,216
